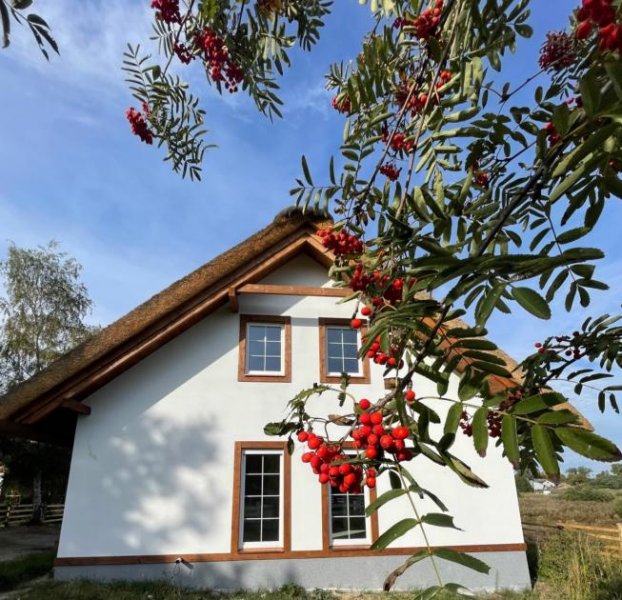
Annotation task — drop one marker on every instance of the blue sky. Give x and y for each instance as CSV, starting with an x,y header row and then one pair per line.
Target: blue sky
x,y
70,169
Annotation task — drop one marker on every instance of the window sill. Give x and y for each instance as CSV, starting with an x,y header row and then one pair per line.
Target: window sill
x,y
260,550
346,547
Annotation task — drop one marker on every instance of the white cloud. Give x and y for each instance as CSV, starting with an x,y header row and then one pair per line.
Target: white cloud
x,y
91,34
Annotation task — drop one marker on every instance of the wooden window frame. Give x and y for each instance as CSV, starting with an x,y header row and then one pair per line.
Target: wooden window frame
x,y
286,323
325,377
372,521
240,449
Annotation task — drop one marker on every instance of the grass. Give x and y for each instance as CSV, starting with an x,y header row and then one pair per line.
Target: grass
x,y
537,508
26,568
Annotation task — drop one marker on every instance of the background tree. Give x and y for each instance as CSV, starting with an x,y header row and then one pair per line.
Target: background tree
x,y
43,311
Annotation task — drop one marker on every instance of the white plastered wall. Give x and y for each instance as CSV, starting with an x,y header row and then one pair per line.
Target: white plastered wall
x,y
152,466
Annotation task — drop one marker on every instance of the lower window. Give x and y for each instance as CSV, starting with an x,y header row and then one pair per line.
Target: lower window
x,y
261,499
347,517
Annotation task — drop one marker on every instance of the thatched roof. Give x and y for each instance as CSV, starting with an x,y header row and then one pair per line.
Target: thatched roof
x,y
45,406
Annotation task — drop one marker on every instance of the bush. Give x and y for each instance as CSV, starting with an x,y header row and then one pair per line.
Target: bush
x,y
585,493
616,508
575,567
523,485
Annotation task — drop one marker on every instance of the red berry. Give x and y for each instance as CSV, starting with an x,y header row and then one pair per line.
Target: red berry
x,y
307,456
371,452
409,395
386,441
401,433
364,404
365,419
366,311
356,323
303,436
371,482
583,30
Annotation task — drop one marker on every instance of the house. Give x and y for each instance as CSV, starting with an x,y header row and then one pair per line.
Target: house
x,y
543,486
172,475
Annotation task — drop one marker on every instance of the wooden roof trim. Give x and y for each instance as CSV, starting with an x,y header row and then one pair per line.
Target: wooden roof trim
x,y
127,355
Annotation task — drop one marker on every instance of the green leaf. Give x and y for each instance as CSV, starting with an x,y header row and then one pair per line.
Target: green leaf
x,y
590,92
480,430
305,170
453,418
588,444
439,520
545,452
393,533
460,558
557,417
537,403
383,499
509,438
532,302
391,578
464,472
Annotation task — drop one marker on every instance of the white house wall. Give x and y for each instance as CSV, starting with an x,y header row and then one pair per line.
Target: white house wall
x,y
152,466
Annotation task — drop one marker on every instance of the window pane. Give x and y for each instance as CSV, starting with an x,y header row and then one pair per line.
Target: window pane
x,y
273,348
271,507
253,463
335,365
270,530
357,504
271,485
256,348
256,363
252,507
349,336
273,332
350,350
252,531
340,528
253,485
271,463
333,336
339,505
357,528
256,333
273,363
351,366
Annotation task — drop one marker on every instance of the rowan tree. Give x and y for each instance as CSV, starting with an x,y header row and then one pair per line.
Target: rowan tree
x,y
452,198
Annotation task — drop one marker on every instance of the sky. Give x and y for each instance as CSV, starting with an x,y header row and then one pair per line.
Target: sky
x,y
71,171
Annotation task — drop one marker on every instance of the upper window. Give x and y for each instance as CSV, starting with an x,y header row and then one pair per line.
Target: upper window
x,y
265,348
339,346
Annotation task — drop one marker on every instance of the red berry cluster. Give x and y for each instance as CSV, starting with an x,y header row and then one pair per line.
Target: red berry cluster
x,y
183,53
552,135
390,171
481,178
328,461
558,52
139,125
377,285
343,106
340,242
167,10
493,422
417,102
426,24
398,141
600,14
511,400
390,358
563,344
220,65
376,439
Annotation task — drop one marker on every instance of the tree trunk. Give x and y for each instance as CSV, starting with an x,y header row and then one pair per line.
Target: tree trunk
x,y
37,508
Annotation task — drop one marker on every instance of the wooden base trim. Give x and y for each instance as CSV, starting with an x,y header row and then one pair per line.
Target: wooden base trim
x,y
344,551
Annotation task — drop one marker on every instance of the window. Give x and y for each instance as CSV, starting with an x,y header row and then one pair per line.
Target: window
x,y
265,349
344,522
347,517
261,497
339,346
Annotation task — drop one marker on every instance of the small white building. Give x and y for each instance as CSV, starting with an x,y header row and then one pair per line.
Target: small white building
x,y
172,475
543,486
